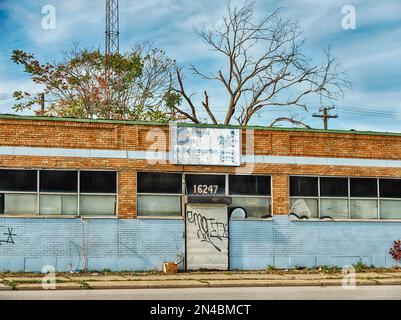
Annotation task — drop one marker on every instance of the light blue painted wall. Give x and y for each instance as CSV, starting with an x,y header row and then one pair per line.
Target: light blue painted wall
x,y
146,244
111,244
285,244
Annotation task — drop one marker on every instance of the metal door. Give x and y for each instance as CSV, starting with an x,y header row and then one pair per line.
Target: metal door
x,y
206,236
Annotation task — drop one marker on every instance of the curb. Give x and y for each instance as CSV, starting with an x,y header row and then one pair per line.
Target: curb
x,y
5,288
199,284
94,286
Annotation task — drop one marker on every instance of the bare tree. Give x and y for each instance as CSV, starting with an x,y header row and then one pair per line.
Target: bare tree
x,y
263,67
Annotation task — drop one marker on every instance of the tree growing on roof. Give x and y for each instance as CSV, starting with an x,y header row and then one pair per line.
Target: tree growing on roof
x,y
137,85
263,67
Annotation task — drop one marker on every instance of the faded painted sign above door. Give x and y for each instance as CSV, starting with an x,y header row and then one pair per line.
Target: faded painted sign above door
x,y
205,146
206,236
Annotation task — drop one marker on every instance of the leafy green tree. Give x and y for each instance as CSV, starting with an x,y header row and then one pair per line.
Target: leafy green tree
x,y
137,85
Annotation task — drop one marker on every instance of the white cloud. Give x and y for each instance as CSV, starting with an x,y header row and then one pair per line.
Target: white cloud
x,y
370,54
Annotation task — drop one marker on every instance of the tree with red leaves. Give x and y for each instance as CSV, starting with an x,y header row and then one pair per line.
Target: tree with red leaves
x,y
395,251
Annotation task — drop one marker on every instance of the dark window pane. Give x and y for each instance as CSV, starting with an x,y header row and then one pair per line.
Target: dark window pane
x,y
390,188
250,185
363,187
303,187
58,181
152,182
334,187
98,182
203,184
18,180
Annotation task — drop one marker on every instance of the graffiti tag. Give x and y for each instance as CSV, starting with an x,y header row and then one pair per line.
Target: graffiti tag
x,y
209,230
7,236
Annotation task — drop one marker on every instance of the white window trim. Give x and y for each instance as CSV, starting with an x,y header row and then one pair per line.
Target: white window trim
x,y
78,194
377,199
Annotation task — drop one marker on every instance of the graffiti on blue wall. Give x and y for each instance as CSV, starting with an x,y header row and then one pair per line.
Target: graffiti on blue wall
x,y
6,237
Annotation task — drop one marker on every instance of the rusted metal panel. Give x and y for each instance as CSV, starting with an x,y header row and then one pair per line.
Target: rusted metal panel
x,y
209,199
206,236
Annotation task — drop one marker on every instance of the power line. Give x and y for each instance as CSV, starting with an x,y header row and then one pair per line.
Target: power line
x,y
369,112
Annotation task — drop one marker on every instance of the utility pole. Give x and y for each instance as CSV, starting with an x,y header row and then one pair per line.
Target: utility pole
x,y
326,116
112,44
42,111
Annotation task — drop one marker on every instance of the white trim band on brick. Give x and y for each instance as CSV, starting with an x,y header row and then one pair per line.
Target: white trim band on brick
x,y
356,162
152,155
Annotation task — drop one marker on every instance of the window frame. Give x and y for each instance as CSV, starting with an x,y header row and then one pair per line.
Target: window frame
x,y
181,195
378,199
38,193
270,197
250,195
183,191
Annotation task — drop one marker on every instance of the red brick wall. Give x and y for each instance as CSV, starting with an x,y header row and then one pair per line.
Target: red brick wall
x,y
84,135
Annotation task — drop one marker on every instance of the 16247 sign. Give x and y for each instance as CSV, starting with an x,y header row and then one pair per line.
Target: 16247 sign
x,y
204,189
205,184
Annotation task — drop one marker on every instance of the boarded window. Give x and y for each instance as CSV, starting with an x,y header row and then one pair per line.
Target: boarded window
x,y
97,205
334,208
160,205
390,209
58,204
304,207
363,209
20,204
255,207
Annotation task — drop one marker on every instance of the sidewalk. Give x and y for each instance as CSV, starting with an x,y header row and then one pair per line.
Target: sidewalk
x,y
126,280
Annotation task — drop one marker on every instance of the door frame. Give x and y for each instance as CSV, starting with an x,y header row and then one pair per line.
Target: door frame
x,y
186,244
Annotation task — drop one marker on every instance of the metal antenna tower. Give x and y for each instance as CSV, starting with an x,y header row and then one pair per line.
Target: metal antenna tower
x,y
112,45
112,27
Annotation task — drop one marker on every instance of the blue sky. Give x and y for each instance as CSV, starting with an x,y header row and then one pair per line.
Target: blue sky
x,y
371,54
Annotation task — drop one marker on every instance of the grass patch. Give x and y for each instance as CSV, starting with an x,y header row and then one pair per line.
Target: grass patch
x,y
82,284
361,267
329,269
271,269
11,284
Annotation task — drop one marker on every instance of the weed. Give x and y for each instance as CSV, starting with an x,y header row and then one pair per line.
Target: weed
x,y
82,284
361,267
329,269
11,284
269,268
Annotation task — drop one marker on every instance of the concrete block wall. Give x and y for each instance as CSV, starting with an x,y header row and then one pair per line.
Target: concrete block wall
x,y
283,243
140,245
69,244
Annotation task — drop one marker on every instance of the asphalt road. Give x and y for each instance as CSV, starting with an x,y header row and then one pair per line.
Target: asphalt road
x,y
258,293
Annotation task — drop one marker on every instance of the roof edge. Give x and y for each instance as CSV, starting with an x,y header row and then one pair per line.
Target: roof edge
x,y
135,122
